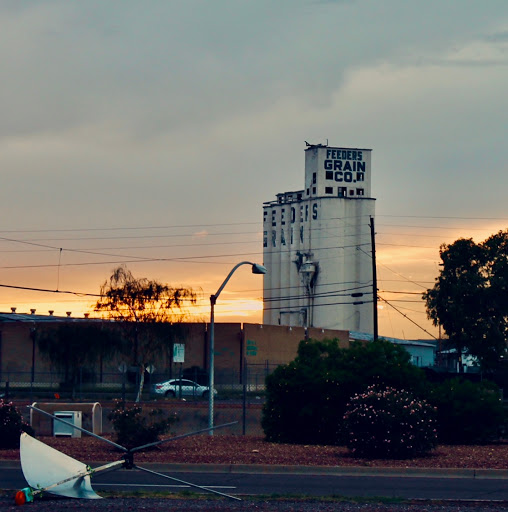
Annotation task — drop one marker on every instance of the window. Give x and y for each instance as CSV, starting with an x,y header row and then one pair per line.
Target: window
x,y
328,190
341,191
299,196
314,177
308,191
329,175
313,190
351,192
274,222
282,221
359,192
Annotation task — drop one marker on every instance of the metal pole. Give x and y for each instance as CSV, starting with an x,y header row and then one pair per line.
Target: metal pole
x,y
256,269
211,377
374,278
244,397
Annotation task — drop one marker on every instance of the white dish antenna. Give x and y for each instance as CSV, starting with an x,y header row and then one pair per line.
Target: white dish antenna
x,y
49,470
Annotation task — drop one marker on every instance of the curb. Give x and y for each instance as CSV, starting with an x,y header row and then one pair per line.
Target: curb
x,y
492,474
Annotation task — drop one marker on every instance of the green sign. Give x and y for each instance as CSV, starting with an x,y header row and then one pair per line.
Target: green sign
x,y
252,348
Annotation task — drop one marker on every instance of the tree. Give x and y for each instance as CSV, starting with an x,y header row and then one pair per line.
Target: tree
x,y
468,412
151,313
470,297
74,346
306,399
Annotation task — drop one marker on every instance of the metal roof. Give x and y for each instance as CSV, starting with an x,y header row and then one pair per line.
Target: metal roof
x,y
29,318
363,336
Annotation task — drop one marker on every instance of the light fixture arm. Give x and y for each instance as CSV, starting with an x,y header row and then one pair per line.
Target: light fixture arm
x,y
256,269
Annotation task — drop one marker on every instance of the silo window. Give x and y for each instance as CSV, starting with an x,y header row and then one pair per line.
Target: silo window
x,y
328,190
351,192
313,190
342,191
359,192
329,175
314,177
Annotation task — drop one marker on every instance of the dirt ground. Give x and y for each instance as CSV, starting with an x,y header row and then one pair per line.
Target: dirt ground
x,y
205,449
50,504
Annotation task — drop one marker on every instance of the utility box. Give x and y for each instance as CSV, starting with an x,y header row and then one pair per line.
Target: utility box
x,y
61,429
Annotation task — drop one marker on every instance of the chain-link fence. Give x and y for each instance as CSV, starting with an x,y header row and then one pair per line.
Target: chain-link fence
x,y
230,384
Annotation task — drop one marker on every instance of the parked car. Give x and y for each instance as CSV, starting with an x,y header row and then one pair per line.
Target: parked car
x,y
181,387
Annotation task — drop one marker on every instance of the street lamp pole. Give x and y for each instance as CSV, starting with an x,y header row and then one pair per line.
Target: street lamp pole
x,y
256,269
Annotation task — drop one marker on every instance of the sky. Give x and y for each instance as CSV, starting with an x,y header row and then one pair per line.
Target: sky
x,y
150,134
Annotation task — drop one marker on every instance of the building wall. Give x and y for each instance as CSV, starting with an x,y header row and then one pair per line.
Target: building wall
x,y
276,344
228,351
257,343
16,350
421,355
317,245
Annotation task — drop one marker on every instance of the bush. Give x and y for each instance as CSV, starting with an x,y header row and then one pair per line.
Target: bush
x,y
133,428
11,426
306,399
467,412
389,423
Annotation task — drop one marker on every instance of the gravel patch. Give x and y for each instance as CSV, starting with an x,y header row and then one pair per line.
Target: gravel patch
x,y
230,449
194,505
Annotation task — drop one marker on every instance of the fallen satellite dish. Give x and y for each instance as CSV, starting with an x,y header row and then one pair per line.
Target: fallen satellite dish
x,y
48,470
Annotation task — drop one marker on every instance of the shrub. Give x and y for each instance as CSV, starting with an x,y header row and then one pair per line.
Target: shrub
x,y
306,399
134,428
467,412
11,426
389,423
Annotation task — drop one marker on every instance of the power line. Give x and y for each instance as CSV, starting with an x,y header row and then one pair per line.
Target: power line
x,y
405,316
441,217
124,228
47,290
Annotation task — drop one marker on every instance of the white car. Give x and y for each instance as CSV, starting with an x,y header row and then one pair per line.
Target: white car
x,y
181,387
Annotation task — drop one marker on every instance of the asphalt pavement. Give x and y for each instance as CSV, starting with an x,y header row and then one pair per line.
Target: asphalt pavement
x,y
255,480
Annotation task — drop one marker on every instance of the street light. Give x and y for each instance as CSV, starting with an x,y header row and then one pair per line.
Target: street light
x,y
256,269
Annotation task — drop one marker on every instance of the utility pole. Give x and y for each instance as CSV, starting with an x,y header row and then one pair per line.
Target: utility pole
x,y
374,276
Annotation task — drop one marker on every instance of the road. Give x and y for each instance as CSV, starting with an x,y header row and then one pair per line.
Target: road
x,y
445,485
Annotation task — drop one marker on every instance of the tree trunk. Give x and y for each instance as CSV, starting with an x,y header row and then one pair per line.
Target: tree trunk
x,y
141,383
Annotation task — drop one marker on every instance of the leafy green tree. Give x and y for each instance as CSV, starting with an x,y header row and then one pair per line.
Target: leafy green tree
x,y
468,412
306,399
470,297
74,346
150,312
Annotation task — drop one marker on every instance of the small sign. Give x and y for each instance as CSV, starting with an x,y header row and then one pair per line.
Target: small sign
x,y
252,348
178,353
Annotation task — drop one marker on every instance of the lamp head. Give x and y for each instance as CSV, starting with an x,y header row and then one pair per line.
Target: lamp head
x,y
258,269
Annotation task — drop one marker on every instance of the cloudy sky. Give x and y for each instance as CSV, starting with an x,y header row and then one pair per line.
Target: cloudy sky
x,y
150,133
